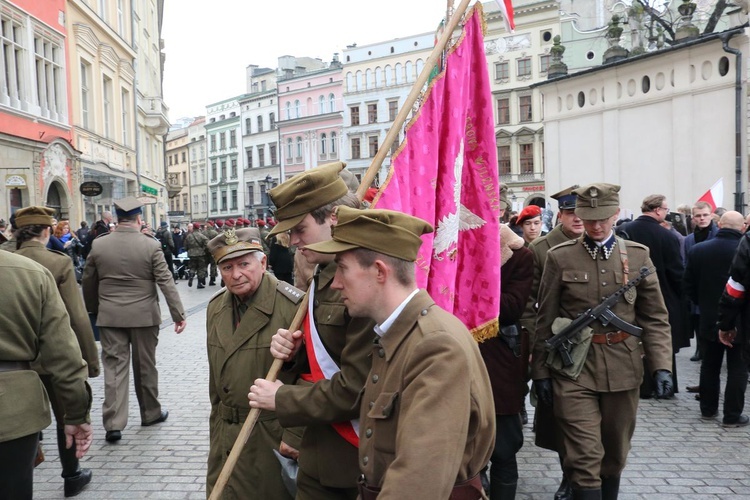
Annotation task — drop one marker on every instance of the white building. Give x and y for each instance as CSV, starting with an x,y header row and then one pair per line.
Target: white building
x,y
198,167
226,197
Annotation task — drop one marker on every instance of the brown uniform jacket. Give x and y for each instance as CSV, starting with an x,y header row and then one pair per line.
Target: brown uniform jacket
x,y
427,418
573,282
236,358
324,454
61,267
120,279
35,326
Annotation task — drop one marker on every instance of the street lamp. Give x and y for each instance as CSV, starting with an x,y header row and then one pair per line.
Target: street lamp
x,y
269,185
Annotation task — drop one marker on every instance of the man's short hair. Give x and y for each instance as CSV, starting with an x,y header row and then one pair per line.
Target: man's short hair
x,y
700,205
127,218
403,270
348,200
652,202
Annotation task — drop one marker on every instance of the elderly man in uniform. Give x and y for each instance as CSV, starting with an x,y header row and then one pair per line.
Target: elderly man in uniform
x,y
546,432
196,247
240,321
34,227
119,287
335,358
597,408
426,415
35,327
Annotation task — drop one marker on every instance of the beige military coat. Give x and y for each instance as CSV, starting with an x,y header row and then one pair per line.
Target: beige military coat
x,y
427,418
61,267
35,326
120,279
573,282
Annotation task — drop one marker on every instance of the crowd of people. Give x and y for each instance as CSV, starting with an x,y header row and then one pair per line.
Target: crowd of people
x,y
380,386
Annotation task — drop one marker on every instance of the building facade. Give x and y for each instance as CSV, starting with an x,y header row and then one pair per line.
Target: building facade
x,y
225,191
178,168
198,167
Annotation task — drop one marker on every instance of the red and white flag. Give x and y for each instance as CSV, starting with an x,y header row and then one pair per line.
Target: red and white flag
x,y
506,7
715,195
445,172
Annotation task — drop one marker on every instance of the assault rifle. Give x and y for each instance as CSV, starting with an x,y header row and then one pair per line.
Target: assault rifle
x,y
602,312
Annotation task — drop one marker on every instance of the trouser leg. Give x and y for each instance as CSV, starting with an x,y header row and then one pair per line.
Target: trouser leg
x,y
710,377
68,460
734,394
508,440
17,467
116,364
618,412
309,488
145,375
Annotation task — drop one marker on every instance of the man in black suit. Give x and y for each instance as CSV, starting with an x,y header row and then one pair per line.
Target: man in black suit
x,y
706,277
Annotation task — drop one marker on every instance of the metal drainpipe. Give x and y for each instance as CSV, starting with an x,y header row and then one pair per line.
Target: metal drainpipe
x,y
738,194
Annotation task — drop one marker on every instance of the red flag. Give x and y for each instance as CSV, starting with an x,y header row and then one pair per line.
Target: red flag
x,y
506,7
445,172
715,195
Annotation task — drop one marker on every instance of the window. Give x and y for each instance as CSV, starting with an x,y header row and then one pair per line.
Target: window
x,y
194,176
272,121
249,157
524,66
204,202
355,148
125,103
355,114
323,139
503,111
49,77
503,160
288,110
234,167
333,143
196,204
502,71
234,199
223,201
233,139
184,178
378,77
85,90
296,108
526,158
299,148
321,105
372,113
203,174
223,169
214,205
185,201
395,145
170,160
213,142
250,194
544,62
524,108
260,124
107,105
373,143
120,19
183,157
289,149
272,153
392,110
248,129
222,140
261,156
332,103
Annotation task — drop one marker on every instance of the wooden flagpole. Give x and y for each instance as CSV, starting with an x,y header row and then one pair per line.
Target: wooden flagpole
x,y
369,177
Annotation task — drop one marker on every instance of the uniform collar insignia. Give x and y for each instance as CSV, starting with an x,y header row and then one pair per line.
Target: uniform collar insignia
x,y
594,250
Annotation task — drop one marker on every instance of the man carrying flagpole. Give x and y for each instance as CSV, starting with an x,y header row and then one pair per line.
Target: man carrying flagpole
x,y
334,360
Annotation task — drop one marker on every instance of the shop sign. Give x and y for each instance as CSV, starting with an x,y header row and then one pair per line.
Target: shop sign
x,y
15,180
176,213
147,200
149,190
533,188
91,188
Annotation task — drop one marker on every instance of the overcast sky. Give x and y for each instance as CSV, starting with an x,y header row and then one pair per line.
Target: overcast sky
x,y
208,44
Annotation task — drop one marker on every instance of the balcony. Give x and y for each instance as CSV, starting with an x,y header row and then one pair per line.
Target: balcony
x,y
173,185
156,111
525,177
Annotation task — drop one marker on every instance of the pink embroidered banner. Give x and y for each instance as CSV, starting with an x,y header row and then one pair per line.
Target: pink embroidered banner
x,y
445,172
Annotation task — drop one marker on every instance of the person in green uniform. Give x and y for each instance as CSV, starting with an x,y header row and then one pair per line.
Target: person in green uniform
x,y
195,246
209,230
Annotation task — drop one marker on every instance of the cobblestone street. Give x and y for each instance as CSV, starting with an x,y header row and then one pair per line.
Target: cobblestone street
x,y
675,455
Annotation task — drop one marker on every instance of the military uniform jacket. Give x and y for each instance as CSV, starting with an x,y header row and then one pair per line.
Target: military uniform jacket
x,y
35,326
427,419
120,279
61,268
324,454
195,244
210,233
572,282
238,356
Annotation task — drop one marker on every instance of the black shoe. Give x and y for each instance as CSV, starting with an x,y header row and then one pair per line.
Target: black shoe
x,y
113,436
200,286
524,417
75,484
565,491
610,488
592,494
190,281
696,356
162,418
740,422
693,388
212,282
705,416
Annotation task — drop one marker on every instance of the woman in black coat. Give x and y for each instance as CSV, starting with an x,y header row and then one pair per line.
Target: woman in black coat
x,y
281,258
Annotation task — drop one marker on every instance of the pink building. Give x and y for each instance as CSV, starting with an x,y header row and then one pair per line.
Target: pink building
x,y
310,118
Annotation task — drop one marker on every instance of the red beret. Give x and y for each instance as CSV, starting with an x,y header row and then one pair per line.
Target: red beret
x,y
230,223
528,213
260,222
219,223
240,222
210,223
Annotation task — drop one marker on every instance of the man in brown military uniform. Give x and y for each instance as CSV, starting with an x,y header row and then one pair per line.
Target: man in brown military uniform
x,y
324,400
426,416
34,227
546,431
240,321
597,410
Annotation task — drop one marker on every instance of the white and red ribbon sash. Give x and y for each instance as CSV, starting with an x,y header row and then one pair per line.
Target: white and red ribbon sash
x,y
322,366
735,289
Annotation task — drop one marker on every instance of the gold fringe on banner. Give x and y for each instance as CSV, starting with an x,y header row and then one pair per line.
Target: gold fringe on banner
x,y
486,331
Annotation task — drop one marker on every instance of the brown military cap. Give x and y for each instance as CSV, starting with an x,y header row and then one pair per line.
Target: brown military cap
x,y
383,231
235,243
504,205
566,199
128,206
597,201
34,216
305,192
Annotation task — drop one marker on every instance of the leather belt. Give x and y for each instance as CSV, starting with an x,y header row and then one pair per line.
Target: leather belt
x,y
609,338
12,366
471,489
235,415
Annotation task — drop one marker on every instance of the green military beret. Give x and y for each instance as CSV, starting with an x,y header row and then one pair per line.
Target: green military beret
x,y
128,206
34,216
234,243
305,192
597,201
383,231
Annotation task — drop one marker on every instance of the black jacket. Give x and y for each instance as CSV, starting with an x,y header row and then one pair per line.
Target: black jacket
x,y
734,308
706,277
664,248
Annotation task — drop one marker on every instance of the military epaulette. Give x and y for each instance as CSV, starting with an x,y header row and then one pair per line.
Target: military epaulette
x,y
635,244
290,292
565,244
217,294
58,252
